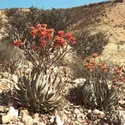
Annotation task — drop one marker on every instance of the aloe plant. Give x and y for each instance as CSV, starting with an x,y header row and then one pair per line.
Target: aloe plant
x,y
39,91
98,90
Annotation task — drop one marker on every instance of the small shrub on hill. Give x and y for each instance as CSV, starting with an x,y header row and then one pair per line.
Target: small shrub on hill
x,y
88,43
10,57
20,20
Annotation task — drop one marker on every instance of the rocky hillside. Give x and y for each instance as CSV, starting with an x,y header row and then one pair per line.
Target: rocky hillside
x,y
108,17
105,16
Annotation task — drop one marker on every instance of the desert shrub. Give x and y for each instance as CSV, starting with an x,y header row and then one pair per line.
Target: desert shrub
x,y
1,23
88,43
20,20
10,57
102,84
38,91
60,19
18,23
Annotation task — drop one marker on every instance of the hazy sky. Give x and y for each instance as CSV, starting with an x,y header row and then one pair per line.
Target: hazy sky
x,y
46,4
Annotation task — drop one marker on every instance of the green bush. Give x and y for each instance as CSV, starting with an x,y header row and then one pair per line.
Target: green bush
x,y
20,20
59,19
88,43
10,57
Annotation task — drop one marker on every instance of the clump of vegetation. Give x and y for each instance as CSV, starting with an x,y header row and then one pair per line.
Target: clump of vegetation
x,y
45,49
10,57
101,87
88,15
20,20
88,43
38,91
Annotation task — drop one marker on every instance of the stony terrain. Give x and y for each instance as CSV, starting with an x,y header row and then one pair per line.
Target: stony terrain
x,y
112,21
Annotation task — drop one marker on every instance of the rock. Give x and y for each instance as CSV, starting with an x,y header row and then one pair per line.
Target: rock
x,y
24,112
36,118
20,123
4,109
52,119
41,123
80,117
96,111
5,119
122,103
55,120
58,120
76,111
89,111
26,118
13,113
122,117
101,114
14,78
79,81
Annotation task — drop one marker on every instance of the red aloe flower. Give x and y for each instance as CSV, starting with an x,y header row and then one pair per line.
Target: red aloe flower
x,y
43,43
122,79
44,25
73,40
68,36
43,34
32,28
49,37
50,31
120,68
18,43
94,55
61,33
33,32
115,80
38,26
59,41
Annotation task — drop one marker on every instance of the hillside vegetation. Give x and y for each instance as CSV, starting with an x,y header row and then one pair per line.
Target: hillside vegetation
x,y
63,66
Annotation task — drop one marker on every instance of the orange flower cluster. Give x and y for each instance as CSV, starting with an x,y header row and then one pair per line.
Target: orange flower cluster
x,y
18,43
61,39
41,31
118,72
91,62
46,36
103,66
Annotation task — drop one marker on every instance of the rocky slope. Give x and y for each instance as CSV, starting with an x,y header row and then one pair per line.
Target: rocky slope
x,y
107,17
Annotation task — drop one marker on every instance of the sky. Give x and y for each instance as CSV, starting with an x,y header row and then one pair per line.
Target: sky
x,y
44,4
